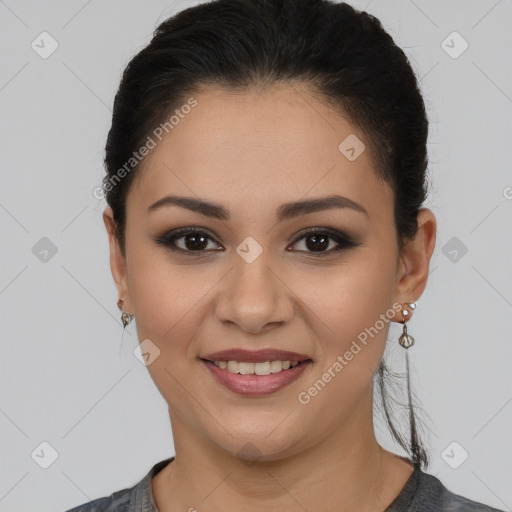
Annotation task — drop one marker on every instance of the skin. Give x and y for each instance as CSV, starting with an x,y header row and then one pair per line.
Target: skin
x,y
251,152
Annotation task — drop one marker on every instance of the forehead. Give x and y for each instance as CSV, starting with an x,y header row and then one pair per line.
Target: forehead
x,y
271,145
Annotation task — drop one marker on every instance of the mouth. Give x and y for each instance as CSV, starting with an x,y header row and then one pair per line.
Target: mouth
x,y
253,378
257,368
268,355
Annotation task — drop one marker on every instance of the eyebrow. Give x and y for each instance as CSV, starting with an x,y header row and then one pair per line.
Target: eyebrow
x,y
284,212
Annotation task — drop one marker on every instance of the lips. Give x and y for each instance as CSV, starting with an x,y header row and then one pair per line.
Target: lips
x,y
255,356
256,385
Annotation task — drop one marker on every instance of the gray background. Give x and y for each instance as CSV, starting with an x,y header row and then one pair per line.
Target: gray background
x,y
63,380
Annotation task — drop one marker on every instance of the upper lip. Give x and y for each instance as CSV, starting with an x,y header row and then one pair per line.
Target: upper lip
x,y
255,356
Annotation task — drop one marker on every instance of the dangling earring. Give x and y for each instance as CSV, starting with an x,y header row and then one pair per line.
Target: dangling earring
x,y
126,318
406,340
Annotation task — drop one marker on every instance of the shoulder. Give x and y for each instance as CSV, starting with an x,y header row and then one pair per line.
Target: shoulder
x,y
118,501
452,502
432,495
131,499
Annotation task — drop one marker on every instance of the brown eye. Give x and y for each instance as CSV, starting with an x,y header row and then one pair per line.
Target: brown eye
x,y
319,240
194,240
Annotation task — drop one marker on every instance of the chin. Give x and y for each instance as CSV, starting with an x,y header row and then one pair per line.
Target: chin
x,y
254,447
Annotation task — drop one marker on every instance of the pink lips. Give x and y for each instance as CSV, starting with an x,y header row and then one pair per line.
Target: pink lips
x,y
256,384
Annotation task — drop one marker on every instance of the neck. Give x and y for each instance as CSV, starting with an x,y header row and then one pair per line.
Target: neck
x,y
346,471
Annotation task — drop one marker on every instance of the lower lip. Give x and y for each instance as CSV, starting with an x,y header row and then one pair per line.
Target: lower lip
x,y
256,384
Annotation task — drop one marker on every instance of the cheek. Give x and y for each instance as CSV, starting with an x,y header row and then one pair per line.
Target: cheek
x,y
351,323
166,297
347,299
169,303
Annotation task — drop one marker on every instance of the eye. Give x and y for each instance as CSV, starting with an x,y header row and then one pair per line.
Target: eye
x,y
194,240
317,240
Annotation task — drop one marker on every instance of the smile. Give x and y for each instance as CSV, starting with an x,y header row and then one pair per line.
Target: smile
x,y
260,378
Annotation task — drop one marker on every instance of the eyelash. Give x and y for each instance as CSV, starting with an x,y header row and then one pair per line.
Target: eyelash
x,y
344,242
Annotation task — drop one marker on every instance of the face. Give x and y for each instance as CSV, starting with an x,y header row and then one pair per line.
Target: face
x,y
252,277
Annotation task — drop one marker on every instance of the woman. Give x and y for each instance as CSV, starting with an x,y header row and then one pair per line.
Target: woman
x,y
266,171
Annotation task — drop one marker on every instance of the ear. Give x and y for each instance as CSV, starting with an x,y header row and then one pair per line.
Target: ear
x,y
414,262
117,260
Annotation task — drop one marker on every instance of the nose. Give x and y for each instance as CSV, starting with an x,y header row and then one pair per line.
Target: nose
x,y
254,297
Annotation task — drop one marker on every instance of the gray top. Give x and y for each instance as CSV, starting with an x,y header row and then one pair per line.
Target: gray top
x,y
421,493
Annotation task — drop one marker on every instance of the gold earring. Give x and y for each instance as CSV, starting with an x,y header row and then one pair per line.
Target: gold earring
x,y
126,318
406,340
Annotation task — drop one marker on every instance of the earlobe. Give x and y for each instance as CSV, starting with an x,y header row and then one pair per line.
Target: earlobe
x,y
117,260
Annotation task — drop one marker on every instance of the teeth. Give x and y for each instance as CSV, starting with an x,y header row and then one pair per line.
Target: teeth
x,y
265,368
